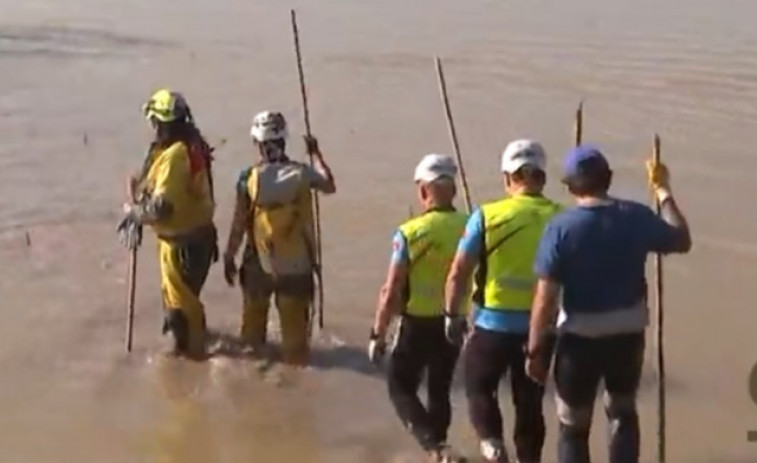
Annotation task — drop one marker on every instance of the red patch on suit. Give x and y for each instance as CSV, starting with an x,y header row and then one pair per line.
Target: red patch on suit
x,y
199,157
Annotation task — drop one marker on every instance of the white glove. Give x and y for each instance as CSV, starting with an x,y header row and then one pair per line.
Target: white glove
x,y
455,328
376,348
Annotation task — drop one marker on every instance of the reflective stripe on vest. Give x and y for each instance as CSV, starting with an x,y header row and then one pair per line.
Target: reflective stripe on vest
x,y
431,242
512,230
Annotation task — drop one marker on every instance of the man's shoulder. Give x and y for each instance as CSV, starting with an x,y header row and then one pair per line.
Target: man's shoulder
x,y
568,217
630,204
176,152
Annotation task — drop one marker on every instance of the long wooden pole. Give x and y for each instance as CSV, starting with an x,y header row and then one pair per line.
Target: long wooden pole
x,y
659,331
452,133
316,205
579,124
130,297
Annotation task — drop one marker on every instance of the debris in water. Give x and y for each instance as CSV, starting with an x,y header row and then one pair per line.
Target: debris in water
x,y
28,239
85,139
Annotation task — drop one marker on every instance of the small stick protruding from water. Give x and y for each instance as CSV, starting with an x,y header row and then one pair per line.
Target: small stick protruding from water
x,y
27,239
579,123
85,139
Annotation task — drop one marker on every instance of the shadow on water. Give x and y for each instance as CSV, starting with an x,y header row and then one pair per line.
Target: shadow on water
x,y
338,357
354,359
345,357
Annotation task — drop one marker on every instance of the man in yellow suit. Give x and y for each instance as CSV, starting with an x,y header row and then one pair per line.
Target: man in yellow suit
x,y
174,196
423,249
274,211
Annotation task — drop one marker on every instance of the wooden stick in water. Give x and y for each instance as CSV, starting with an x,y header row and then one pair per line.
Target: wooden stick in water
x,y
131,278
316,207
452,133
659,331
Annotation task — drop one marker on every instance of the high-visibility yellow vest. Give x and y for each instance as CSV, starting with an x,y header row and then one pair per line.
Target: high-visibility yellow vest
x,y
432,240
512,230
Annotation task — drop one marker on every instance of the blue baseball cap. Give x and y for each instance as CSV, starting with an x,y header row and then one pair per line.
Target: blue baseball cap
x,y
572,165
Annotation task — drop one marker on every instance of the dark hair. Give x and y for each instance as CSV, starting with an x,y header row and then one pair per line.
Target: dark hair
x,y
185,131
592,178
530,175
168,133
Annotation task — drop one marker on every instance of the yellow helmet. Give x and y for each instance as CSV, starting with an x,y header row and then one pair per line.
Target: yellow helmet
x,y
166,106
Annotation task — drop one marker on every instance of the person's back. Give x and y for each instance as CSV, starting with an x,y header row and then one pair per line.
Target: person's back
x,y
281,217
595,254
500,241
431,243
173,194
273,212
176,175
422,250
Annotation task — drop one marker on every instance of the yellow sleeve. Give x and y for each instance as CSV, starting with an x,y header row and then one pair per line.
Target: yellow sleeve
x,y
172,175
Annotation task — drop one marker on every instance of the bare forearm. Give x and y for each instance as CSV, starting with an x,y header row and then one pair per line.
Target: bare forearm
x,y
543,314
454,293
541,318
237,229
323,169
674,217
386,310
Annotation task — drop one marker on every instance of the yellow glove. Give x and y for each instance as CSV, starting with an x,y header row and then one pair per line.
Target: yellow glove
x,y
659,179
658,175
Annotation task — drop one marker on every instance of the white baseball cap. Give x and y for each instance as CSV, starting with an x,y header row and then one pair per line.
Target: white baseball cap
x,y
434,166
521,153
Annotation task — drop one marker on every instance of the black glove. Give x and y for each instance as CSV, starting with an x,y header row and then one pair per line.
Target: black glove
x,y
215,253
311,144
130,232
229,270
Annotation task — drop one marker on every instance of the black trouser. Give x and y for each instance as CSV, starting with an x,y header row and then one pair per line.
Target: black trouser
x,y
488,357
580,363
421,346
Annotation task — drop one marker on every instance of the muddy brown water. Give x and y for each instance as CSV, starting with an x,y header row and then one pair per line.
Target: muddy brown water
x,y
72,78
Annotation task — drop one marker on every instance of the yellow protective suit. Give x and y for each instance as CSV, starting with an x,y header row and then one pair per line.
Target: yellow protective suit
x,y
186,239
278,259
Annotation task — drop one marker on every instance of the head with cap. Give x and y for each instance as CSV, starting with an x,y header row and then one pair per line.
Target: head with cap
x,y
523,166
435,178
586,172
170,116
269,133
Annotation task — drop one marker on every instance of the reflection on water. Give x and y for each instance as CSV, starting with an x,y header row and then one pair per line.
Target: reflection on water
x,y
185,432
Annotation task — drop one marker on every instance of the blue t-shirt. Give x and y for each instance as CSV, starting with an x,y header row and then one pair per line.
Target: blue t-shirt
x,y
504,321
598,254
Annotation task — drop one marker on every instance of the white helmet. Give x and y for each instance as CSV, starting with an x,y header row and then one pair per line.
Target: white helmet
x,y
268,126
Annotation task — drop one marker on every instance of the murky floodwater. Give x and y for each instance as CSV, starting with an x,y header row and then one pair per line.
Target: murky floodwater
x,y
74,74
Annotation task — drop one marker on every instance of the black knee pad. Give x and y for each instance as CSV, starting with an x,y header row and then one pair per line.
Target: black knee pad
x,y
619,406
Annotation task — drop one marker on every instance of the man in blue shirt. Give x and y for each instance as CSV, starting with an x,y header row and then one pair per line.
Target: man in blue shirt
x,y
501,239
596,253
